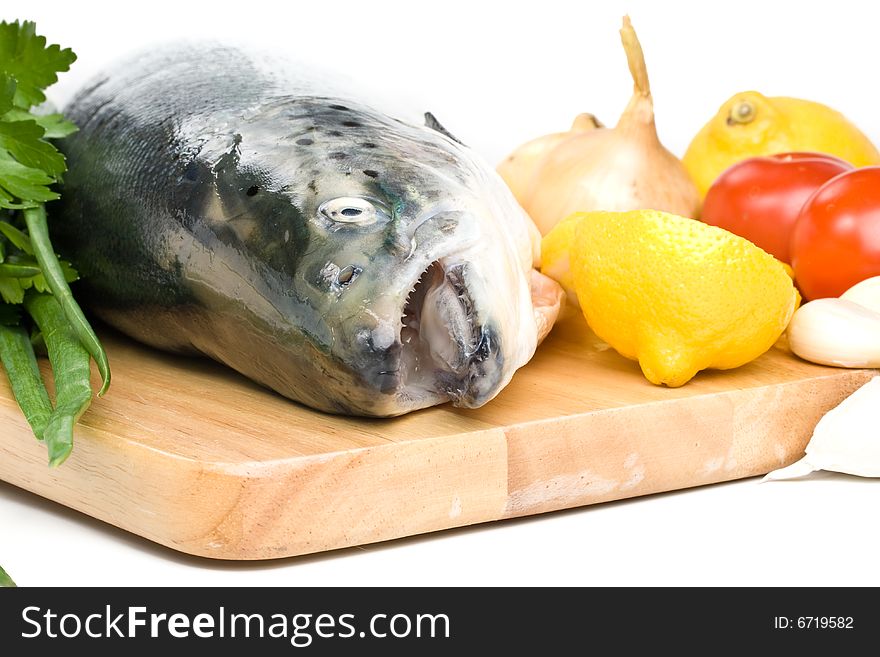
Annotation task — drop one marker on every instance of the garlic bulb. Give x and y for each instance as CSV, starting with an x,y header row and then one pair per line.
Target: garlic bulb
x,y
836,332
843,332
866,293
616,169
845,439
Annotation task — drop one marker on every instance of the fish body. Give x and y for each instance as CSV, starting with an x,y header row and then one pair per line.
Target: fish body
x,y
358,264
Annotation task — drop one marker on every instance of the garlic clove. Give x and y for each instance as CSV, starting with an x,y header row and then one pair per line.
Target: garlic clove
x,y
845,438
866,293
836,332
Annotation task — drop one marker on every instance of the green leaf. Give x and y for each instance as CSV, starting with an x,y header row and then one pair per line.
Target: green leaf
x,y
14,270
55,125
25,57
7,201
23,182
5,580
11,290
23,139
26,273
17,237
7,93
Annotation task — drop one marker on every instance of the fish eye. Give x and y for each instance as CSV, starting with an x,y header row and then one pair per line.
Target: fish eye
x,y
350,210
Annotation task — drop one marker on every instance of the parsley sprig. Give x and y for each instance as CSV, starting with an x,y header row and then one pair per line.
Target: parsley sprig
x,y
36,304
28,162
5,580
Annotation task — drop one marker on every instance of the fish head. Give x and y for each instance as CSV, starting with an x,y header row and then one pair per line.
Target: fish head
x,y
410,254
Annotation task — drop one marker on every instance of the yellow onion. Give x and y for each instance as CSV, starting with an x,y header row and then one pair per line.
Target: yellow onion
x,y
519,167
591,167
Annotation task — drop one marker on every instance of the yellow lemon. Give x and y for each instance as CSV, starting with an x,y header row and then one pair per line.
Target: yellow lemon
x,y
556,263
751,124
677,295
555,248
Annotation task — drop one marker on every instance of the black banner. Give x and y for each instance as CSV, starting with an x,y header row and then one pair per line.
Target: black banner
x,y
408,621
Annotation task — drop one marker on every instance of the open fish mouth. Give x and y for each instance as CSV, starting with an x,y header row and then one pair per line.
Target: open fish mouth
x,y
442,340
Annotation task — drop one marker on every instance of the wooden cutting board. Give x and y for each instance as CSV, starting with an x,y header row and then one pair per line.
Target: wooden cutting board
x,y
191,455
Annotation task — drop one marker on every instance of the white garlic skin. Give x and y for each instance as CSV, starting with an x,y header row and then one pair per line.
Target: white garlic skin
x,y
837,332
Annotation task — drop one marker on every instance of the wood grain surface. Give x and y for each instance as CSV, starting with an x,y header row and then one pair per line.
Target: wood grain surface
x,y
191,455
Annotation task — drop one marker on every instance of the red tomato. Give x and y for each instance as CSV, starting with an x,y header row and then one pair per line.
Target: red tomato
x,y
759,198
836,239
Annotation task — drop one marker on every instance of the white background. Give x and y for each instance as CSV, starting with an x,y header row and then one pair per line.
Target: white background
x,y
497,74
